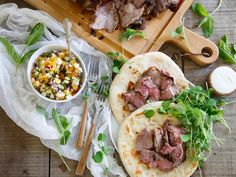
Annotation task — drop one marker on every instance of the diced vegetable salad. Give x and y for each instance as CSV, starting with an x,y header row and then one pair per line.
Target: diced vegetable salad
x,y
56,75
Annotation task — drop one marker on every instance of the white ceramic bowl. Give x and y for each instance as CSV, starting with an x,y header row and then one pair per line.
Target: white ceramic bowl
x,y
49,48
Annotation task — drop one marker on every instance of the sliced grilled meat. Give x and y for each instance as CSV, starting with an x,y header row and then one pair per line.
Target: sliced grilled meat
x,y
106,17
129,14
144,140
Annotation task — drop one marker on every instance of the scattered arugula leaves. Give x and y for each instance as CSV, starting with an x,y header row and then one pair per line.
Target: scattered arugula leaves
x,y
34,36
149,113
99,155
10,50
207,23
129,33
197,110
118,61
62,126
42,111
227,52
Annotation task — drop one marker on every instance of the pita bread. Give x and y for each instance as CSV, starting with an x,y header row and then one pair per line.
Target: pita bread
x,y
127,150
132,70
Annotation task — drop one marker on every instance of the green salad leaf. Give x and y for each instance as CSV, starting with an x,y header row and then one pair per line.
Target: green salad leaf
x,y
149,113
227,52
35,34
118,61
10,50
98,157
104,150
27,55
197,110
129,33
207,22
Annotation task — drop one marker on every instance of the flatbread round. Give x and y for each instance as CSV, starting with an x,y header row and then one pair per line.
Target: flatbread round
x,y
128,133
132,70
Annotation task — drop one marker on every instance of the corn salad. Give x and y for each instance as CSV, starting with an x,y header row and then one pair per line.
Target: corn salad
x,y
56,76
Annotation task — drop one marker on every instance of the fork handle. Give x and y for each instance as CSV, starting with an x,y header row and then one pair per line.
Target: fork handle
x,y
82,163
80,138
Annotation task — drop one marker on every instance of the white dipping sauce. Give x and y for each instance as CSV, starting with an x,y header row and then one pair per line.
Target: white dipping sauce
x,y
223,80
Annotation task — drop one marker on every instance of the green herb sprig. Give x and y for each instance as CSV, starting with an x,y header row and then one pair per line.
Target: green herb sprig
x,y
227,51
129,33
60,121
118,61
104,150
197,111
34,36
207,22
149,113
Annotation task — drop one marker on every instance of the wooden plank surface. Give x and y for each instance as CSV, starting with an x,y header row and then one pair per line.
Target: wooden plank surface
x,y
23,155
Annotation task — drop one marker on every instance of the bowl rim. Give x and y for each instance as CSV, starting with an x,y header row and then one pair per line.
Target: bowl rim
x,y
44,49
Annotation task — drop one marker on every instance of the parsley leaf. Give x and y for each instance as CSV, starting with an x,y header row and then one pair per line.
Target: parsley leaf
x,y
207,23
149,113
129,34
118,61
101,137
227,53
98,157
62,126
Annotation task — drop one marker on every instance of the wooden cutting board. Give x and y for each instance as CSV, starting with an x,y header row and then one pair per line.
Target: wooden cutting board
x,y
157,32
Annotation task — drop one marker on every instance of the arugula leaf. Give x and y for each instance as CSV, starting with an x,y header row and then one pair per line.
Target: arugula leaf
x,y
57,120
65,137
42,110
98,157
27,56
149,113
118,61
199,9
129,34
104,78
227,54
10,50
207,25
116,70
95,87
64,122
101,137
35,34
185,138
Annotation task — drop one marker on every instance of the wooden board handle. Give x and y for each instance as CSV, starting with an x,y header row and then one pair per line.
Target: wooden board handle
x,y
82,163
80,139
198,46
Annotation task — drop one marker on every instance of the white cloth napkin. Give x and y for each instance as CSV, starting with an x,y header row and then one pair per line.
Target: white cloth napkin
x,y
19,101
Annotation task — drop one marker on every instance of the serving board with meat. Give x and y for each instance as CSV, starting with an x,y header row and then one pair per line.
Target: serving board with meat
x,y
165,19
157,29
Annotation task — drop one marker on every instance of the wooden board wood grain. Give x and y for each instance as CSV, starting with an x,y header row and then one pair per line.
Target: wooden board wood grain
x,y
157,31
21,154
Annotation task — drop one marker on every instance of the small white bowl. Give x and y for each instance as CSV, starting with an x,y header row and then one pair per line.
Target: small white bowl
x,y
49,48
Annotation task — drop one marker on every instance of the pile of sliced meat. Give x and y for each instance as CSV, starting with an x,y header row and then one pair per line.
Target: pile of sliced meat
x,y
126,13
161,148
154,85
